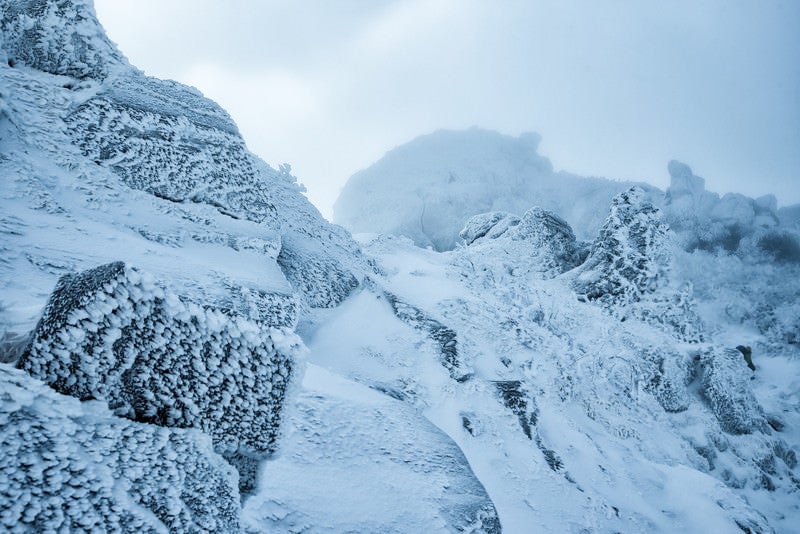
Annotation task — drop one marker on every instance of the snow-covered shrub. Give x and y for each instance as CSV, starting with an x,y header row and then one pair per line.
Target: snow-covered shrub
x,y
57,36
781,245
674,311
630,256
726,386
12,345
110,333
66,468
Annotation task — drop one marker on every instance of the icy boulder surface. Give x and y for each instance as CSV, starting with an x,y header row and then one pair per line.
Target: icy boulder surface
x,y
111,334
59,37
630,255
67,466
489,225
540,241
429,188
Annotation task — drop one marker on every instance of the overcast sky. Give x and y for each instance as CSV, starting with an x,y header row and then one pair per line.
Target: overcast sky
x,y
616,88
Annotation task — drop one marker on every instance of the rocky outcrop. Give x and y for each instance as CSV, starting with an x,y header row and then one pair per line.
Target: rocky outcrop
x,y
168,140
489,225
112,334
540,242
59,37
703,220
630,256
67,466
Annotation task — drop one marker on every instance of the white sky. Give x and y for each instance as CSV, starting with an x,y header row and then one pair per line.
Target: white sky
x,y
616,88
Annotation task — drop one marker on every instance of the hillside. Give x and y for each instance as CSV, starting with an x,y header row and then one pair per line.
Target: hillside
x,y
186,345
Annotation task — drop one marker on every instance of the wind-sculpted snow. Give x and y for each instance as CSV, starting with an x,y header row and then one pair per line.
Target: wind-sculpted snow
x,y
540,241
429,188
72,467
111,334
57,36
629,257
362,462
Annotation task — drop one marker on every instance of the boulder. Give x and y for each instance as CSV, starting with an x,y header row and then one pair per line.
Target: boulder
x,y
70,467
726,386
111,334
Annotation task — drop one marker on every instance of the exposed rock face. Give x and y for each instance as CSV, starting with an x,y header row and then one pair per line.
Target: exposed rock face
x,y
66,467
630,256
726,385
111,334
59,37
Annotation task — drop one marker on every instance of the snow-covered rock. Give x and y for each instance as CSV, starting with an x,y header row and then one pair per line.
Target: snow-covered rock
x,y
630,256
726,385
73,467
490,225
111,334
97,113
57,36
429,188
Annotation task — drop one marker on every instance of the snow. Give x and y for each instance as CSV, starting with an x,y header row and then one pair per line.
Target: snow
x,y
464,390
428,188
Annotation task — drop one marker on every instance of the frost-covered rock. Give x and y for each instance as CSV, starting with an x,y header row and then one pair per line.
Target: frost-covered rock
x,y
726,386
111,334
540,241
630,256
429,188
167,139
490,225
66,467
704,220
669,374
160,137
57,36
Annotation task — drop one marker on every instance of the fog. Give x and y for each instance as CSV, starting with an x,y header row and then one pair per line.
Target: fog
x,y
616,89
